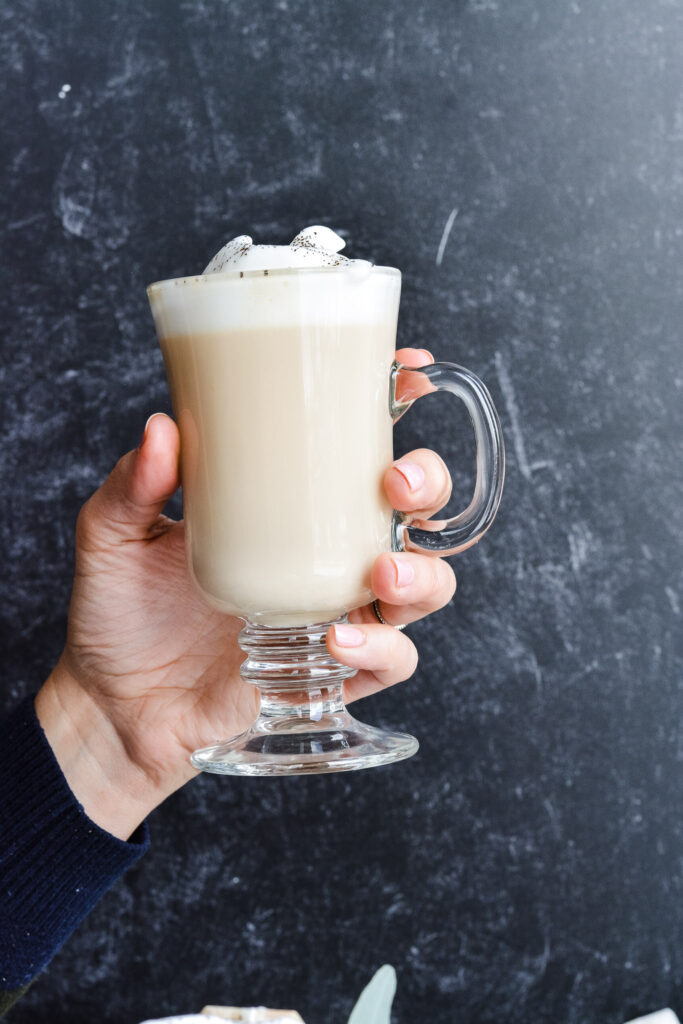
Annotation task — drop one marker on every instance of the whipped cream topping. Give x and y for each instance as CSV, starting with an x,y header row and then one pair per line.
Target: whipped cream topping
x,y
315,246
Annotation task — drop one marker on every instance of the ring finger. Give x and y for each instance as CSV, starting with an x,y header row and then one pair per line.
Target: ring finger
x,y
408,587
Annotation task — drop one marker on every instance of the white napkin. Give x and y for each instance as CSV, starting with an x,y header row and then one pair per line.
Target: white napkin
x,y
660,1017
245,1015
188,1018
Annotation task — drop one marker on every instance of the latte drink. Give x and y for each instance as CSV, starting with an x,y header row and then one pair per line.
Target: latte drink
x,y
281,366
280,387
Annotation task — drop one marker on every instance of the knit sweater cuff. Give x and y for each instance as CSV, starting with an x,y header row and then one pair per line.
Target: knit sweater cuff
x,y
55,863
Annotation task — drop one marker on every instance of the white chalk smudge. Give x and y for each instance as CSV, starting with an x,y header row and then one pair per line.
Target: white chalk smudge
x,y
74,215
673,600
580,541
513,412
444,236
24,222
554,819
74,193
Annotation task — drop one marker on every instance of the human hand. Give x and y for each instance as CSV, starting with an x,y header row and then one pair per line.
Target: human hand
x,y
150,672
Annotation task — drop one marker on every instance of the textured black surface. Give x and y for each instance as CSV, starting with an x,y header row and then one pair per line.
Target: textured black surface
x,y
527,865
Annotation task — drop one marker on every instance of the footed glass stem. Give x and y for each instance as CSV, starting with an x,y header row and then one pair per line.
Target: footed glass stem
x,y
303,727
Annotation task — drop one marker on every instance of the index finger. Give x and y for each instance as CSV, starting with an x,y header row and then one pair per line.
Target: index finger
x,y
413,357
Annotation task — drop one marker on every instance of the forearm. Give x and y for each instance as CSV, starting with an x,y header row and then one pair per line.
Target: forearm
x,y
55,861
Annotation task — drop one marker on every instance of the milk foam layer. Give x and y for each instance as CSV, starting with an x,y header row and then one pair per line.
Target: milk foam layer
x,y
264,287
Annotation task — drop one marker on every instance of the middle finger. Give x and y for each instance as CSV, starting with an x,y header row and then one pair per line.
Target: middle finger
x,y
418,482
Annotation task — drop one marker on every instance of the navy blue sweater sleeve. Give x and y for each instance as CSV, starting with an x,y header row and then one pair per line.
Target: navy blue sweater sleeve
x,y
55,863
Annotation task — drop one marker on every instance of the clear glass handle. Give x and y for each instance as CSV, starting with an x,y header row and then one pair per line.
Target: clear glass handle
x,y
447,536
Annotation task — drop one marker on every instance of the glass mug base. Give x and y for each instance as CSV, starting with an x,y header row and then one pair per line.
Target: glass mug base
x,y
303,727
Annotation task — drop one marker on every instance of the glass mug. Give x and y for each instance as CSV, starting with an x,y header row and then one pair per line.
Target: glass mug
x,y
285,390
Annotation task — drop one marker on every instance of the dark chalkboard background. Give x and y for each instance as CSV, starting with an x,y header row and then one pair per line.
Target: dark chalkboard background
x,y
527,865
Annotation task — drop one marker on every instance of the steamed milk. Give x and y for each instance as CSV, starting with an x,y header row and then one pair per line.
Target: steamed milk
x,y
280,387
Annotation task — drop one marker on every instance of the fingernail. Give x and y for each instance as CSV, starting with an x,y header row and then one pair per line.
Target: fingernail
x,y
413,474
348,636
425,352
149,420
405,574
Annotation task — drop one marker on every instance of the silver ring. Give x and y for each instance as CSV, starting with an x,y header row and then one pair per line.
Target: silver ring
x,y
380,617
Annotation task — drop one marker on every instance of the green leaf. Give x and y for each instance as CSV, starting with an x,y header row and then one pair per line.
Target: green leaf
x,y
374,1004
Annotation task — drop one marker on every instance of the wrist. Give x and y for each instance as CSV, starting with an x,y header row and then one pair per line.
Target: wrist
x,y
114,793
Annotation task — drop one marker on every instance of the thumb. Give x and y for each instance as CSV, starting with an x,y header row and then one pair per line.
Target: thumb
x,y
132,497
